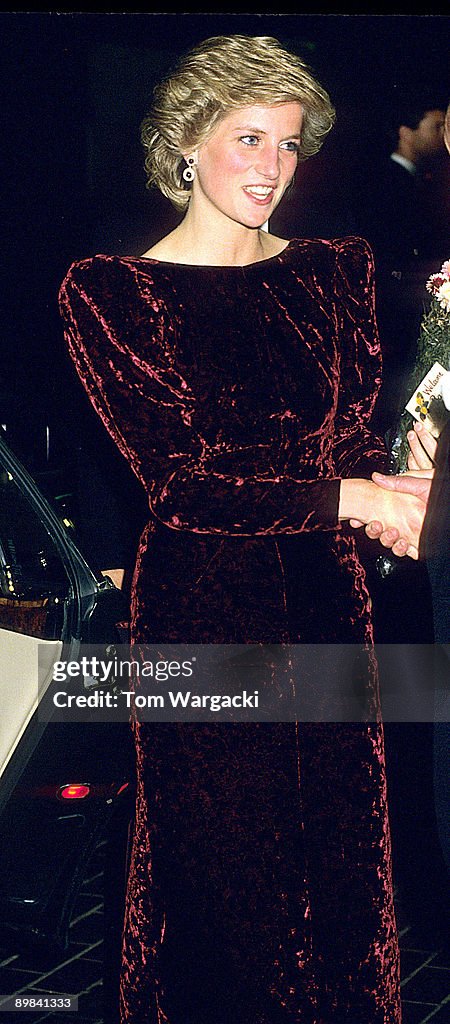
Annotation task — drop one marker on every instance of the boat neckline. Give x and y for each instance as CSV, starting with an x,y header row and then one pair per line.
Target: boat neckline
x,y
209,266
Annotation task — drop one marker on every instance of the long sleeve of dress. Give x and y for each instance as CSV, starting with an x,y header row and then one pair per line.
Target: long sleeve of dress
x,y
357,450
122,336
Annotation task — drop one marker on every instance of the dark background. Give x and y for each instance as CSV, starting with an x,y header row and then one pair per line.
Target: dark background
x,y
75,87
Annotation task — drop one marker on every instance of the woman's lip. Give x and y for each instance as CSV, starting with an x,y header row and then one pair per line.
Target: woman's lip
x,y
260,200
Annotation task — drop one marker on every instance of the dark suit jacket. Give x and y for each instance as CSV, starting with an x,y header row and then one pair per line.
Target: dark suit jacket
x,y
394,212
435,546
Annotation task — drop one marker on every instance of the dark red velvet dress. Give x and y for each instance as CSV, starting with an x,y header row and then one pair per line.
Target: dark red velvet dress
x,y
260,888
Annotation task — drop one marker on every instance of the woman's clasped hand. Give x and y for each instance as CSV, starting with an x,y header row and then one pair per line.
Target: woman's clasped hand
x,y
409,493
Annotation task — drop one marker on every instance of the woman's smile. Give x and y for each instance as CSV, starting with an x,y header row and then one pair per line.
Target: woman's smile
x,y
261,194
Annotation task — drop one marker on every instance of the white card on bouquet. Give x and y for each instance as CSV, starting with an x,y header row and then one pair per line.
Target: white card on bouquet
x,y
426,404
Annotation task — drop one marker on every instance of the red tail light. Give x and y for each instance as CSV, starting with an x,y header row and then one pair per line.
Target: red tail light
x,y
74,791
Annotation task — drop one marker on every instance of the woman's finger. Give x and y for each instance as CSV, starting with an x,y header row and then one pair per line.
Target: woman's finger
x,y
374,530
407,483
413,552
400,548
388,538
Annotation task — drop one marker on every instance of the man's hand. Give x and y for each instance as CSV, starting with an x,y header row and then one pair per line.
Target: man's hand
x,y
422,448
395,518
418,484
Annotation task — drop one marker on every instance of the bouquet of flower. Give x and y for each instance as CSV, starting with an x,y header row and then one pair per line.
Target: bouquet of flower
x,y
431,364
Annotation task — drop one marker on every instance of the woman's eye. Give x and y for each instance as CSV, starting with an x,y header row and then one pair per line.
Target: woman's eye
x,y
252,140
291,146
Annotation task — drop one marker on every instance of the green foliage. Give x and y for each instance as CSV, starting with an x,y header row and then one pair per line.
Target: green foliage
x,y
433,346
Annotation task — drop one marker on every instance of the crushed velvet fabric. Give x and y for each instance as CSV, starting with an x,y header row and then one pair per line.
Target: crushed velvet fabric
x,y
260,887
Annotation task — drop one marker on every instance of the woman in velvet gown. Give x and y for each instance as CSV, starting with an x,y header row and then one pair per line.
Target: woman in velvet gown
x,y
260,887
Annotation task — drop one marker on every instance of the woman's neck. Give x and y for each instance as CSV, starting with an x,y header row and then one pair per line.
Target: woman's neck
x,y
205,242
234,248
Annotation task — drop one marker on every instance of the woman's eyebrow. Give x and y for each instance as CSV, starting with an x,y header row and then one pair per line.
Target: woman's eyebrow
x,y
249,128
262,131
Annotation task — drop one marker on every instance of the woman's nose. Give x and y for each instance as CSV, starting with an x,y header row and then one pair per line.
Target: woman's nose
x,y
268,163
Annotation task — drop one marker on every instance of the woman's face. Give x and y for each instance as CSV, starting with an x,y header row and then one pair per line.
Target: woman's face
x,y
246,165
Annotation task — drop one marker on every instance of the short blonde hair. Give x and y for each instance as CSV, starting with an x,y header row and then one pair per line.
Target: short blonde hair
x,y
219,75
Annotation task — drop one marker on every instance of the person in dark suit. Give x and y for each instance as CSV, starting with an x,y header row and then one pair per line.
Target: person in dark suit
x,y
398,186
401,213
397,211
420,756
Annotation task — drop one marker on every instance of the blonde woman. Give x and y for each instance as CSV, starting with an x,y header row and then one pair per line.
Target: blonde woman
x,y
237,372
